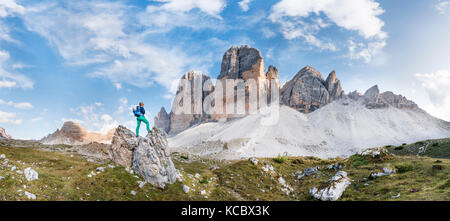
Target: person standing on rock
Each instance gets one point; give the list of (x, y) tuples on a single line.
[(139, 113)]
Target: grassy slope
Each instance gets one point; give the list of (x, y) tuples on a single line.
[(64, 176)]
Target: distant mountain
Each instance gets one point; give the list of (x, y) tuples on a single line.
[(72, 133), (3, 134), (341, 128), (316, 118), (243, 63)]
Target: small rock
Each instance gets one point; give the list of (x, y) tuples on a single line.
[(213, 168), (253, 160), (414, 190), (13, 168), (141, 183), (186, 189), (100, 169), (30, 196), (203, 192), (396, 196), (111, 166), (2, 156), (133, 192), (311, 171), (197, 175), (386, 172), (336, 166), (31, 174)]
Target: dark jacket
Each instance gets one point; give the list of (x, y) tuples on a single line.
[(140, 111)]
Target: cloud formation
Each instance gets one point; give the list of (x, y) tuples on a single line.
[(304, 19), (437, 87), (9, 118), (244, 4), (442, 6)]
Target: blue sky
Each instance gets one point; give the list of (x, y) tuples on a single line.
[(89, 61)]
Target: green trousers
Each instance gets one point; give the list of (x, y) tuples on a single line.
[(139, 120)]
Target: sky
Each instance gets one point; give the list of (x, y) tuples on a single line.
[(90, 61)]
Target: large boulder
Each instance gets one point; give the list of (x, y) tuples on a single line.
[(148, 155), (152, 160), (122, 146), (334, 188)]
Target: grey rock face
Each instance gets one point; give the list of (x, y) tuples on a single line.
[(122, 146), (373, 99), (308, 91), (152, 160), (196, 82), (162, 120), (242, 63), (334, 87), (3, 134), (146, 155), (335, 188)]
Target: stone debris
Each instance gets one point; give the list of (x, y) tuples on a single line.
[(30, 196), (186, 189), (253, 160), (336, 167), (133, 192), (100, 169), (31, 174), (386, 172), (148, 156), (336, 187)]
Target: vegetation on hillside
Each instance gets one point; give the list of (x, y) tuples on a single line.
[(66, 175)]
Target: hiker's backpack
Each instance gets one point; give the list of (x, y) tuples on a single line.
[(136, 112)]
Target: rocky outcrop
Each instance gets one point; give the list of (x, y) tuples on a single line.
[(146, 155), (152, 160), (242, 63), (334, 86), (72, 133), (373, 99), (3, 134), (162, 120), (334, 189), (308, 91)]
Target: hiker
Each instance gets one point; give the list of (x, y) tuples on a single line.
[(139, 112)]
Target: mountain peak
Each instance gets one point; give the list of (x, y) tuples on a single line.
[(3, 134), (72, 133)]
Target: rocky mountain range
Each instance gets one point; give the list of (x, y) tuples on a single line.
[(243, 63), (72, 133), (306, 92), (3, 134)]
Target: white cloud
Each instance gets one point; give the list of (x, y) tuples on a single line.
[(10, 7), (37, 119), (8, 79), (93, 119), (123, 105), (437, 87), (22, 105), (85, 32), (365, 51), (9, 118), (118, 86), (244, 4), (355, 15), (211, 7), (441, 6)]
